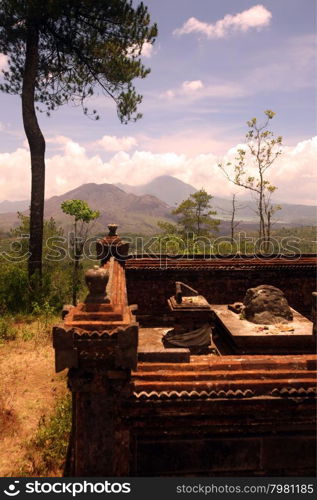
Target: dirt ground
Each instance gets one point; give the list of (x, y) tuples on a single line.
[(29, 388)]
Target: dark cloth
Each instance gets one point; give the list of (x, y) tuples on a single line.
[(196, 338)]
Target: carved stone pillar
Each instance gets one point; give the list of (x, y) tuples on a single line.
[(98, 343)]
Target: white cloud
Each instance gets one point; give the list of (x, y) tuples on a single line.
[(15, 175), (113, 143), (147, 50), (169, 94), (66, 145), (190, 141), (196, 89), (277, 74), (293, 173), (192, 85), (3, 61), (296, 175), (255, 17)]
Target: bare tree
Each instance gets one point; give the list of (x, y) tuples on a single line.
[(261, 150)]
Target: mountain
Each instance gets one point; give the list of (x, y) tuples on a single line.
[(299, 215), (165, 187), (139, 212), (132, 213), (13, 206), (173, 191)]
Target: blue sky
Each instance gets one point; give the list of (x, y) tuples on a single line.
[(215, 64)]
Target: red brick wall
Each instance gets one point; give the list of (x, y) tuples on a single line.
[(150, 288), (264, 437)]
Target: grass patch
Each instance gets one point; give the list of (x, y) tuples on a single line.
[(47, 451), (27, 327)]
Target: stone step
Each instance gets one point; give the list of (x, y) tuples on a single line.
[(170, 375)]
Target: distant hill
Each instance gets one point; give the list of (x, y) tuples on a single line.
[(173, 191), (138, 212), (13, 206), (132, 213), (165, 187), (299, 215)]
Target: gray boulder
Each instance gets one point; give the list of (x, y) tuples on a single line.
[(266, 305)]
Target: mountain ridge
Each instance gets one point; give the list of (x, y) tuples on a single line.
[(129, 211), (290, 213), (139, 213)]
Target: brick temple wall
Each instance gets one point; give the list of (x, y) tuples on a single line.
[(228, 438), (246, 415), (149, 287)]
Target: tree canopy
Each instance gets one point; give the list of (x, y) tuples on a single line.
[(80, 210), (195, 214), (63, 51), (82, 45), (250, 169), (83, 215)]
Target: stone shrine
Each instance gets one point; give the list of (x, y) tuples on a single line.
[(145, 411), (98, 343)]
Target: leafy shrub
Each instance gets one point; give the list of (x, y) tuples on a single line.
[(48, 449), (13, 288), (56, 289), (7, 331)]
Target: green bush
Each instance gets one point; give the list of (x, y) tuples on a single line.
[(47, 451), (13, 288), (7, 331), (56, 289)]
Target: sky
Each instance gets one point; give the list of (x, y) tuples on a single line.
[(215, 65)]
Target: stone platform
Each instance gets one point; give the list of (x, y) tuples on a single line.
[(247, 337), (151, 348)]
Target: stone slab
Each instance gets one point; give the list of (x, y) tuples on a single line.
[(246, 337), (151, 348), (189, 303)]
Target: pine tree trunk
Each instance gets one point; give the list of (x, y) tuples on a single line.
[(37, 151), (75, 280), (76, 265)]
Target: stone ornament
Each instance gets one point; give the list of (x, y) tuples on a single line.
[(112, 246), (96, 281)]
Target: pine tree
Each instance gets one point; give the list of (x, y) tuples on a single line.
[(62, 51)]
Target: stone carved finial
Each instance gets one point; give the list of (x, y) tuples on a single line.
[(112, 229), (96, 281), (112, 246)]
